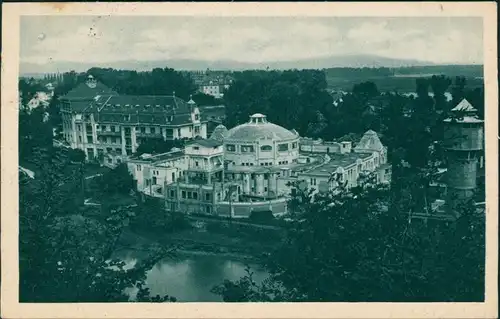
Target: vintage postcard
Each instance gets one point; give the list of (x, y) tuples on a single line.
[(249, 160)]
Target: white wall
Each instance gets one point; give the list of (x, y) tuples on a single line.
[(204, 151), (275, 157)]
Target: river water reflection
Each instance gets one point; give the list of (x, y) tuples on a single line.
[(190, 278)]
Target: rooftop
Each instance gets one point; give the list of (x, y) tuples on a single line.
[(159, 157), (83, 91), (336, 161), (206, 143), (369, 141), (464, 106), (464, 119), (142, 103), (259, 128), (464, 112), (219, 133)]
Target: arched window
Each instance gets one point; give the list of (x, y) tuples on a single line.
[(266, 148)]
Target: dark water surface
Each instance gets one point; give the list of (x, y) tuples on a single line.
[(190, 278)]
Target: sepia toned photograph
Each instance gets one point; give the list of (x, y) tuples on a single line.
[(262, 159)]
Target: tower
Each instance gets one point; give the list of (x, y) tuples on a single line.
[(191, 103), (463, 142)]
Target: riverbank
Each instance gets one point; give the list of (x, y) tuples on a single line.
[(196, 242)]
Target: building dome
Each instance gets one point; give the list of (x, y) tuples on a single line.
[(259, 128)]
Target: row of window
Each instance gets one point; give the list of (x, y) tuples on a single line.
[(109, 150), (100, 151), (190, 195), (118, 161), (109, 140), (264, 148), (142, 129), (152, 130), (247, 164)]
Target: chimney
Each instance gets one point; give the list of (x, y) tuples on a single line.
[(346, 147)]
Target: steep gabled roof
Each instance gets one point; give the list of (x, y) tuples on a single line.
[(219, 133), (464, 106), (369, 141)]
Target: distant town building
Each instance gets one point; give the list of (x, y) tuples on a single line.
[(210, 82), (213, 89), (99, 121), (41, 99)]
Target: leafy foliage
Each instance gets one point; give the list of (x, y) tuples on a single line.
[(358, 244), (352, 246), (64, 255), (151, 215), (34, 131), (288, 98), (159, 81), (202, 99), (117, 181), (157, 146)]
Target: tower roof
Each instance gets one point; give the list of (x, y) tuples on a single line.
[(464, 112), (219, 133), (191, 102), (370, 141), (464, 106)]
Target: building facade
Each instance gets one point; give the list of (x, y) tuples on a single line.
[(344, 165), (99, 121), (253, 167)]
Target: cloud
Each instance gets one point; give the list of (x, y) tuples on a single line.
[(113, 39), (244, 42)]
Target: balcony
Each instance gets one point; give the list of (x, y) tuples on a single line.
[(207, 168), (109, 133), (146, 135)]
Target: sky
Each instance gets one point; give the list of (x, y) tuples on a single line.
[(246, 39)]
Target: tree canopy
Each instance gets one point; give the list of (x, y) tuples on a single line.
[(157, 146), (359, 244), (159, 81), (353, 246), (66, 256)]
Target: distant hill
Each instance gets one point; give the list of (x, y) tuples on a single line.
[(363, 60)]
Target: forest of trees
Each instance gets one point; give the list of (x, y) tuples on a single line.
[(298, 100), (65, 256), (156, 82), (366, 72), (358, 246), (355, 245)]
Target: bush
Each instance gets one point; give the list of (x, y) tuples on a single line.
[(262, 217), (151, 215)]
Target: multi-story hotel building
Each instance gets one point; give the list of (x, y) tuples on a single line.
[(99, 121)]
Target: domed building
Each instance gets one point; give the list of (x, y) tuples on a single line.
[(261, 143), (255, 153)]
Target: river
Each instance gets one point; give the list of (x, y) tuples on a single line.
[(190, 277)]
